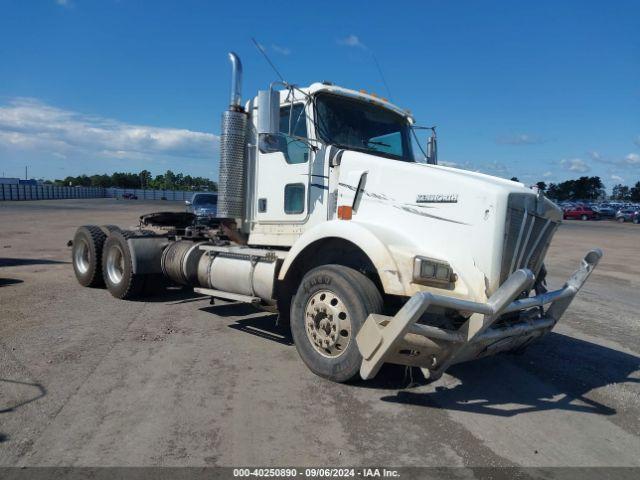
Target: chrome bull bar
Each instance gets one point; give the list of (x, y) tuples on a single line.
[(399, 339)]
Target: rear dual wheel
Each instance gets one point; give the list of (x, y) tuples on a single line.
[(117, 267), (86, 253)]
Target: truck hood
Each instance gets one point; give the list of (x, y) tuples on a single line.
[(440, 212)]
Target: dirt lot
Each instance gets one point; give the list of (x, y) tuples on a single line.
[(89, 380)]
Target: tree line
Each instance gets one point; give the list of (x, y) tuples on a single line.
[(167, 181), (588, 188)]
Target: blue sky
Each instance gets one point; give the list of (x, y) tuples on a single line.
[(538, 90)]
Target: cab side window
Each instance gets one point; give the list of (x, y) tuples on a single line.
[(294, 120)]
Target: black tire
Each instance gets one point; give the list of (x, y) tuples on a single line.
[(86, 255), (357, 297), (107, 229), (584, 217), (636, 220), (117, 267), (620, 219)]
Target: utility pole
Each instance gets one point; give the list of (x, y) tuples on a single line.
[(26, 172)]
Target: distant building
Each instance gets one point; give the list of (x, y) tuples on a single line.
[(18, 181), (31, 181), (9, 181)]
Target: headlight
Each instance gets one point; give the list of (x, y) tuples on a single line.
[(428, 271)]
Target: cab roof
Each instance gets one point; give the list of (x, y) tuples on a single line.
[(319, 87)]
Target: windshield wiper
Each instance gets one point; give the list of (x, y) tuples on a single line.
[(369, 142)]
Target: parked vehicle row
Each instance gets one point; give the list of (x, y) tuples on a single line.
[(585, 211), (628, 215)]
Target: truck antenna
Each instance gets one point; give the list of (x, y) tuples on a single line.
[(261, 49), (384, 81)]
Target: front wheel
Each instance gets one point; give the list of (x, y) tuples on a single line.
[(584, 217), (636, 220), (328, 310), (620, 219)]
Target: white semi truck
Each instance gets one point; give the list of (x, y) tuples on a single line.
[(368, 254)]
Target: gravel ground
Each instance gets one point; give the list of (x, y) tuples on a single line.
[(88, 380)]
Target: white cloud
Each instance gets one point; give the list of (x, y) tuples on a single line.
[(617, 178), (63, 3), (494, 168), (575, 165), (547, 174), (444, 163), (595, 156), (519, 139), (281, 50), (632, 159), (352, 41), (29, 124)]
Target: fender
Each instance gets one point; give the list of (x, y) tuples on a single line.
[(366, 236), (392, 256)]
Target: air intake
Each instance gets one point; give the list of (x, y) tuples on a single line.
[(233, 150)]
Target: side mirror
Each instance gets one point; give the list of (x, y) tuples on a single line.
[(268, 111), (187, 202), (432, 149), (272, 142)]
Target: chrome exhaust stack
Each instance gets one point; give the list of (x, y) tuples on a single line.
[(235, 101), (233, 150)]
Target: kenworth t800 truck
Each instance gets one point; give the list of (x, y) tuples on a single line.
[(369, 255)]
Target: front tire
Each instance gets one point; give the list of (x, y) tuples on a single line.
[(328, 310), (117, 267), (620, 219), (584, 218)]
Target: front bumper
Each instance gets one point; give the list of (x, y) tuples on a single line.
[(399, 339)]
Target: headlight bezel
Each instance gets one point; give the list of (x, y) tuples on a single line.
[(434, 273)]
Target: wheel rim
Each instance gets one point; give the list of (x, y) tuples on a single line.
[(328, 324), (115, 264), (81, 256)]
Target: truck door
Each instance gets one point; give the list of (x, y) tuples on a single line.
[(283, 176)]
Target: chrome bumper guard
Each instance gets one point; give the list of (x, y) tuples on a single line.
[(399, 339)]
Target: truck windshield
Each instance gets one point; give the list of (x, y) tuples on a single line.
[(362, 126), (207, 199)]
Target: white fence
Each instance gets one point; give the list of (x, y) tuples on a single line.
[(47, 192), (50, 192), (143, 194)]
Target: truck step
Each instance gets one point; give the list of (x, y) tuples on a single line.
[(227, 295)]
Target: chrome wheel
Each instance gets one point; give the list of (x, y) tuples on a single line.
[(81, 256), (327, 324), (115, 264)]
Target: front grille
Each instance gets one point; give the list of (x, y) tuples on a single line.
[(527, 238)]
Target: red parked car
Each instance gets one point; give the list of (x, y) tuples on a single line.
[(580, 213)]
